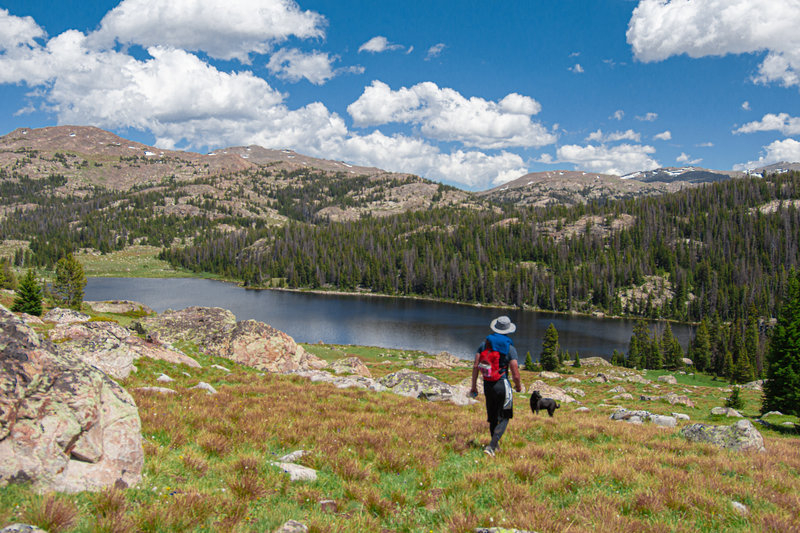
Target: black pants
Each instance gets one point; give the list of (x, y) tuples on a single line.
[(499, 408)]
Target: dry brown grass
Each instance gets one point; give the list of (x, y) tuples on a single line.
[(51, 512)]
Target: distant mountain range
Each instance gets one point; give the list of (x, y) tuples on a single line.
[(89, 156)]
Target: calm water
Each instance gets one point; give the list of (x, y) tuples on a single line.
[(373, 321)]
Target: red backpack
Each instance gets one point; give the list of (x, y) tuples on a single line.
[(492, 364)]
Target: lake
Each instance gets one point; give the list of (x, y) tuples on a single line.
[(376, 321)]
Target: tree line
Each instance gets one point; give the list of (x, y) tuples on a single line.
[(721, 252)]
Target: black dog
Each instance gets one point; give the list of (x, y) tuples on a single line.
[(537, 402)]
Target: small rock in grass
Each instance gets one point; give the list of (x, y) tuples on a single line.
[(159, 390), (206, 387), (668, 379), (328, 506), (681, 416), (220, 367), (740, 508), (582, 410), (726, 411), (292, 526), (188, 375), (21, 528), (298, 472), (293, 457), (773, 413), (164, 378), (665, 421)]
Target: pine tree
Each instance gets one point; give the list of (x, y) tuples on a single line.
[(617, 358), (69, 283), (29, 295), (7, 278), (577, 361), (550, 350), (673, 353), (528, 361), (701, 347), (782, 386)]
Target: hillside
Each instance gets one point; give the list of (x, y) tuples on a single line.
[(251, 182), (569, 188)]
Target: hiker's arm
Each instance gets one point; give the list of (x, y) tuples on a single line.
[(474, 387), (513, 366)]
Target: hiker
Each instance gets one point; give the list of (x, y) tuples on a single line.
[(495, 357)]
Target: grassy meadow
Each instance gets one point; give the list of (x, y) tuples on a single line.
[(394, 464)]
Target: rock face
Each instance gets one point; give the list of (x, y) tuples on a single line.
[(216, 332), (64, 424), (549, 391), (726, 411), (416, 385), (679, 398), (110, 347), (351, 365), (119, 307), (741, 436), (65, 316), (441, 360)]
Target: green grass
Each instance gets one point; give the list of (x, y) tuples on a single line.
[(690, 378), (132, 262), (398, 464)]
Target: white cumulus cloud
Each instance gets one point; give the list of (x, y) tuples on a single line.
[(746, 105), (659, 29), (775, 152), (663, 136), (445, 115), (317, 67), (781, 122), (628, 135), (620, 159), (576, 68), (619, 114), (18, 31), (225, 29), (379, 44)]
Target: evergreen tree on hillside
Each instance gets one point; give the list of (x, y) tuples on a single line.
[(638, 347), (782, 385), (550, 349), (577, 361), (69, 283), (673, 353), (701, 347), (7, 278), (29, 295)]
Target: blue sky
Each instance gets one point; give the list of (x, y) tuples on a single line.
[(471, 93)]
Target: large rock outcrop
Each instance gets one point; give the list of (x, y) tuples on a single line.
[(550, 391), (414, 384), (741, 436), (119, 307), (111, 348), (216, 332), (64, 424)]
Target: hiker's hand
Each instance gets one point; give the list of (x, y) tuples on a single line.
[(518, 388), (473, 392)]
